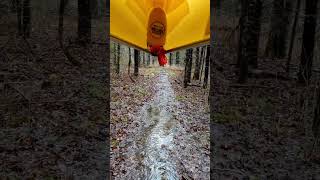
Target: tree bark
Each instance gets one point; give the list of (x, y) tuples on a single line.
[(276, 46), (217, 6), (66, 52), (136, 62), (206, 71), (129, 64), (148, 61), (197, 65), (61, 15), (143, 59), (177, 58), (94, 8), (316, 118), (84, 22), (249, 37), (293, 35), (19, 21), (310, 23), (26, 18), (188, 67), (202, 64)]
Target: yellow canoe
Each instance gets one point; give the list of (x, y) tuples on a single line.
[(188, 22)]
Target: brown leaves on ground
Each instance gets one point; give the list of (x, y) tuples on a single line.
[(53, 114)]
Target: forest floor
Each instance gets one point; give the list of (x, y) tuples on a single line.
[(262, 130), (159, 130), (52, 113)]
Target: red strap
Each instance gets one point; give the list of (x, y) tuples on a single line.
[(161, 53)]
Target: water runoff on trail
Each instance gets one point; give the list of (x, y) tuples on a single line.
[(157, 162)]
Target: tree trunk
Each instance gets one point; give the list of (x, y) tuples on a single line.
[(217, 6), (249, 37), (188, 67), (316, 118), (293, 35), (206, 71), (170, 59), (136, 62), (177, 58), (26, 18), (202, 62), (153, 59), (143, 59), (197, 65), (129, 64), (118, 59), (60, 29), (310, 23), (276, 46), (84, 22), (94, 8), (148, 61), (19, 21), (63, 4)]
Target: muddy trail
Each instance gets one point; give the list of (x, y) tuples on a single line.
[(158, 162), (156, 141)]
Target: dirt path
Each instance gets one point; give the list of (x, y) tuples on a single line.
[(158, 162), (157, 137)]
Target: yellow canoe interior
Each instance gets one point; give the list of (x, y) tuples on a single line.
[(188, 22)]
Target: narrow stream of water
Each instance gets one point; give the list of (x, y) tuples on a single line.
[(158, 162)]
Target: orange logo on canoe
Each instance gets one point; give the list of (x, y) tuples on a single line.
[(157, 29)]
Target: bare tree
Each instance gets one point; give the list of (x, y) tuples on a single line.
[(276, 46), (65, 50), (84, 21), (26, 18), (177, 58), (143, 58), (149, 58), (249, 36), (202, 62), (19, 16), (136, 62), (188, 67), (196, 74), (206, 71), (293, 35), (129, 64), (310, 23), (316, 118)]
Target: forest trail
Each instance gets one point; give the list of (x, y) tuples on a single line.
[(158, 162), (163, 138)]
